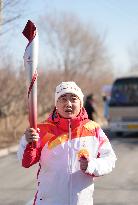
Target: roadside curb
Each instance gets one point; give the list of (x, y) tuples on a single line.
[(6, 151)]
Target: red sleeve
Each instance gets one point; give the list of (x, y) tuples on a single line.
[(31, 156)]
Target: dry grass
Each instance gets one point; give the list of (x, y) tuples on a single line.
[(10, 132)]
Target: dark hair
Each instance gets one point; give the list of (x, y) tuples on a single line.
[(89, 97)]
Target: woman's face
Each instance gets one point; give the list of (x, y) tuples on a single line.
[(68, 105)]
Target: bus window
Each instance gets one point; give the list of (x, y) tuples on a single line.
[(124, 92)]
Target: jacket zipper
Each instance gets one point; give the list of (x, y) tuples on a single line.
[(70, 164)]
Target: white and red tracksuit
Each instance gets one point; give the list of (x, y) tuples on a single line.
[(60, 180)]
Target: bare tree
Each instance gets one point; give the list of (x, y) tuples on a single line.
[(12, 91), (133, 53), (73, 51), (74, 47), (10, 12)]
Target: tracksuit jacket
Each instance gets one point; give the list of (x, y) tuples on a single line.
[(60, 180)]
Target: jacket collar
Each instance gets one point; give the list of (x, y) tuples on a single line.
[(63, 123)]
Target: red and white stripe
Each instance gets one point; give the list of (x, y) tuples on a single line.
[(31, 63)]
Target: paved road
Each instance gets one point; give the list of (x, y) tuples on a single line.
[(121, 186), (17, 185)]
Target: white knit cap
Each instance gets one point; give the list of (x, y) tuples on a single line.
[(68, 87)]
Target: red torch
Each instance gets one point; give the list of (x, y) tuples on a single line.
[(30, 63)]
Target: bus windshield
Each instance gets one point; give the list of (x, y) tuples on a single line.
[(125, 92)]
